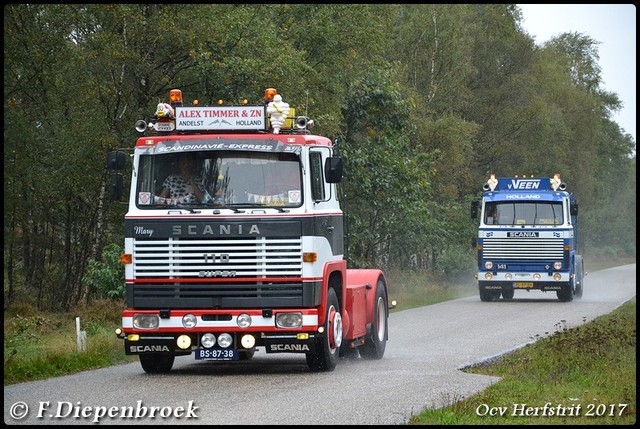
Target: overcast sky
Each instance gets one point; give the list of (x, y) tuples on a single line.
[(614, 26)]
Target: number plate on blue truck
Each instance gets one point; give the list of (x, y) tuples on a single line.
[(524, 284)]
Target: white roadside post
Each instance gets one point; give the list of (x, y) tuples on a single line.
[(81, 337)]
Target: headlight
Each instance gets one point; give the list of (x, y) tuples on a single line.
[(557, 265), (146, 321), (243, 320), (289, 320), (508, 276), (488, 276), (224, 340), (536, 276), (189, 321), (208, 340), (557, 276), (488, 265)]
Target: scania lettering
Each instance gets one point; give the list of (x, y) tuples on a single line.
[(258, 262), (527, 238)]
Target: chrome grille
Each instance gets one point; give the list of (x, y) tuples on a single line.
[(523, 248), (245, 257)]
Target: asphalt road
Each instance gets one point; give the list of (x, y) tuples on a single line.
[(421, 369)]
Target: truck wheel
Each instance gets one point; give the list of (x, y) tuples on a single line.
[(508, 294), (579, 278), (155, 363), (328, 343), (376, 342), (246, 354), (566, 293)]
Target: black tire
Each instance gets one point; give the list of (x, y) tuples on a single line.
[(508, 294), (328, 343), (566, 293), (376, 341), (579, 278), (246, 354), (157, 363)]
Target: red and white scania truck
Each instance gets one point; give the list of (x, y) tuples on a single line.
[(258, 262)]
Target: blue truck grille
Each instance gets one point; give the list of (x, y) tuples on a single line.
[(530, 249)]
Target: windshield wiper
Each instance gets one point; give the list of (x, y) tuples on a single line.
[(257, 206)]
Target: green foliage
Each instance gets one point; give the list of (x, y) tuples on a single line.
[(457, 263), (107, 276), (422, 113)]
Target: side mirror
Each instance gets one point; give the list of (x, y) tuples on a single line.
[(474, 208), (116, 186), (116, 160), (333, 169)]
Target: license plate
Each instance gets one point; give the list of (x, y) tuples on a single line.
[(216, 354), (524, 284)]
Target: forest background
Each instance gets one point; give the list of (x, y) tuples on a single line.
[(424, 100)]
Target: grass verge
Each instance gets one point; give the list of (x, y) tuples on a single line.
[(585, 375), (41, 345)]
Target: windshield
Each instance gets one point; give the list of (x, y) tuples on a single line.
[(523, 213), (219, 179)]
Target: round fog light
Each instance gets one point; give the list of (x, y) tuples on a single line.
[(248, 341), (224, 340), (184, 342), (208, 340), (557, 265)]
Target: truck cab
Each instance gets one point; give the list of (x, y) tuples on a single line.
[(234, 242), (527, 238)]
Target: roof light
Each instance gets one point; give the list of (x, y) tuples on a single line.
[(555, 182), (175, 97), (269, 93)]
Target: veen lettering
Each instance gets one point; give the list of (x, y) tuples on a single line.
[(524, 184)]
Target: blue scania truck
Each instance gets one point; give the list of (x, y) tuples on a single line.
[(527, 238)]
